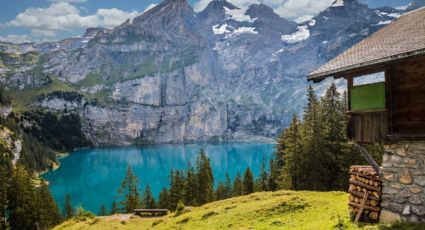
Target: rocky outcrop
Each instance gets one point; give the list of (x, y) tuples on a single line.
[(10, 143), (403, 191)]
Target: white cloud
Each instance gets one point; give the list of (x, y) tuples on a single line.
[(290, 9), (15, 38), (63, 16), (300, 8)]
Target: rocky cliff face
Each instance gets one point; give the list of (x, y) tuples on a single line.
[(173, 75)]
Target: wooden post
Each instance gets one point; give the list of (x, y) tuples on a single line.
[(356, 221), (350, 129), (389, 100), (349, 86)]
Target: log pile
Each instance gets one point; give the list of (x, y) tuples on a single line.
[(365, 193)]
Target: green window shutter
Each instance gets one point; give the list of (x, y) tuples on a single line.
[(368, 97)]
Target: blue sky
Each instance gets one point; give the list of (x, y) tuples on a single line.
[(50, 20)]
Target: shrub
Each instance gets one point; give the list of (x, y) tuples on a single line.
[(83, 215), (180, 208)]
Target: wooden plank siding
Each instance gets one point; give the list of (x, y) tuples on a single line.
[(404, 116), (408, 91), (368, 127)]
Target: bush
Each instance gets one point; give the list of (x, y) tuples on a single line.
[(83, 215), (180, 208)]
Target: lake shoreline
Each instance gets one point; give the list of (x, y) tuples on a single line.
[(86, 171)]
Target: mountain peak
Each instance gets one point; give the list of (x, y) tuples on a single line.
[(216, 9), (222, 3)]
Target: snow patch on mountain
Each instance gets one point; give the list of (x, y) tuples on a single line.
[(394, 15), (302, 34), (338, 3), (384, 22), (217, 29), (241, 30)]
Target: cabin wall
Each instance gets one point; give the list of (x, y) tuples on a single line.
[(403, 193), (408, 92)]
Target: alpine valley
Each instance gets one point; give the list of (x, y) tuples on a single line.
[(176, 75)]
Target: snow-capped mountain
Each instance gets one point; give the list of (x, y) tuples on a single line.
[(172, 74)]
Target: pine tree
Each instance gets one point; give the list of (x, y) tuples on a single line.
[(220, 192), (47, 210), (248, 182), (263, 178), (237, 185), (227, 187), (176, 189), (102, 211), (290, 148), (5, 176), (191, 186), (163, 201), (205, 179), (22, 208), (148, 201), (129, 192), (275, 171), (114, 208), (336, 150), (68, 210), (315, 172)]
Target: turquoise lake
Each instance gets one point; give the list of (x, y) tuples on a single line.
[(93, 176)]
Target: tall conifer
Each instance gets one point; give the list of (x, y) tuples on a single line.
[(237, 185), (68, 210), (205, 178), (148, 201), (128, 193), (248, 182)]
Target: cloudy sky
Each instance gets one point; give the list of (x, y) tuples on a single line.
[(50, 20)]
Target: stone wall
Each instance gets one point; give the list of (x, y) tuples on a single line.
[(403, 193)]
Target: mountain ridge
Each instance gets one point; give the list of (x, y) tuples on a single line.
[(173, 75)]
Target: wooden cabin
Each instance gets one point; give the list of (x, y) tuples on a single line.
[(385, 76), (390, 105)]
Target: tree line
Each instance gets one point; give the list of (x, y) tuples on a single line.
[(24, 203), (313, 153), (192, 187)]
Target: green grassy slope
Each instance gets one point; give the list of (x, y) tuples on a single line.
[(265, 210)]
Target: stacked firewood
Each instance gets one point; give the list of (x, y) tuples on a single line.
[(365, 193)]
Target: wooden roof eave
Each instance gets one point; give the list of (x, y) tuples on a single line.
[(363, 67)]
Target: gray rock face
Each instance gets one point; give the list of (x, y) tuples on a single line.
[(174, 75)]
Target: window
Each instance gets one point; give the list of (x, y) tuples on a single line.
[(368, 92)]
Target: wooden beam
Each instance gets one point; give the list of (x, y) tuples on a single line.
[(389, 96), (356, 221), (349, 86), (368, 158)]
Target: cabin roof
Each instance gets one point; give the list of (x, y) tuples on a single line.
[(402, 38)]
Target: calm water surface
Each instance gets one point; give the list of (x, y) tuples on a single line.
[(92, 176)]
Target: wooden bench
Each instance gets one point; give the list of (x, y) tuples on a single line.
[(151, 212)]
